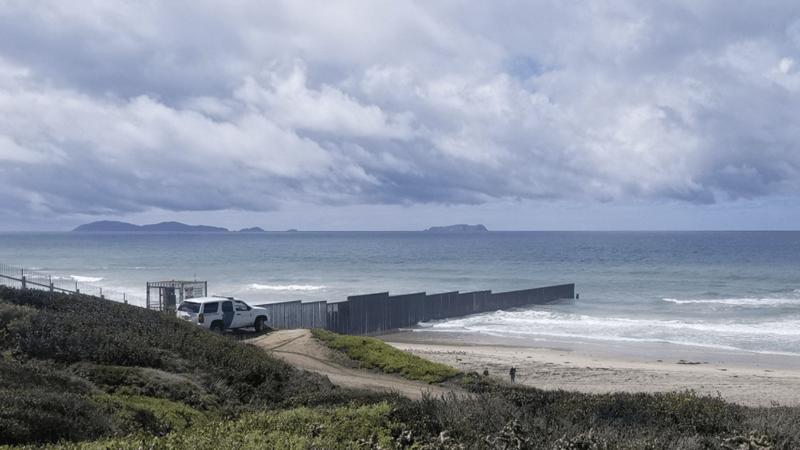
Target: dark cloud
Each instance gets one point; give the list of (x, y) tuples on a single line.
[(249, 107)]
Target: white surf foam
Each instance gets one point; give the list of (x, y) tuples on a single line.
[(740, 301), (291, 287), (778, 336), (83, 279)]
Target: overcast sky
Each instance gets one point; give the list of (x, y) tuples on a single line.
[(400, 115)]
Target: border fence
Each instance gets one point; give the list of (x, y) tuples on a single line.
[(30, 279), (359, 314), (376, 313)]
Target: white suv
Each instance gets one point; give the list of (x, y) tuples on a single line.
[(219, 313)]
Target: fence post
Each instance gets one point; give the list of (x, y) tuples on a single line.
[(51, 283), (24, 285), (77, 291), (101, 294), (124, 300)]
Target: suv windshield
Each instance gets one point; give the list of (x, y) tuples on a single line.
[(191, 307), (242, 306)]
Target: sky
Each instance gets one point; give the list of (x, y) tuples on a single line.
[(401, 115)]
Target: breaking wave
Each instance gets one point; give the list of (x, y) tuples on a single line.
[(291, 287), (741, 301), (82, 279)]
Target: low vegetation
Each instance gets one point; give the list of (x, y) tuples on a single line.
[(78, 372), (371, 352)]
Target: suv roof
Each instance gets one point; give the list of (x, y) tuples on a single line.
[(210, 299)]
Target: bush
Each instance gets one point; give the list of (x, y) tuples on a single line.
[(371, 352), (35, 415), (76, 328), (145, 382), (319, 428), (133, 414), (42, 375), (105, 375)]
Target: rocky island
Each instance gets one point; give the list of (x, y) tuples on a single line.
[(458, 229), (163, 227)]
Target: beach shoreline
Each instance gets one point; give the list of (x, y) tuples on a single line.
[(561, 367)]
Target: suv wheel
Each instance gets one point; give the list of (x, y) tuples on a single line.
[(259, 325), (217, 326)]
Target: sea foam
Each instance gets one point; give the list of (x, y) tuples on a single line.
[(757, 302), (82, 279), (291, 287)]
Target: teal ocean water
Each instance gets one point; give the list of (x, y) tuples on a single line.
[(689, 293)]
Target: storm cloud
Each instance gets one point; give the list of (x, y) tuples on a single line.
[(122, 107)]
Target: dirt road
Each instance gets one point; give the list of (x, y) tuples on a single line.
[(300, 349)]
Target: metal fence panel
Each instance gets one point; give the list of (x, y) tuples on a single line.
[(473, 302), (293, 312), (369, 313), (377, 312), (339, 317), (404, 309), (356, 322), (281, 319), (314, 314), (438, 306), (415, 304), (536, 296), (432, 307), (449, 304)]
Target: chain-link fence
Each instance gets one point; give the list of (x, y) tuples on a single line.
[(30, 279)]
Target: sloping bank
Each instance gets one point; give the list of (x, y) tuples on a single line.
[(373, 365), (79, 372)]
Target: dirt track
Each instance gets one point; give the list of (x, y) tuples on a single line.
[(300, 349)]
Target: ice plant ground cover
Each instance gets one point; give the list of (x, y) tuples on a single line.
[(371, 352)]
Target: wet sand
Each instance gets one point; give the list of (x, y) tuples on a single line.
[(568, 369)]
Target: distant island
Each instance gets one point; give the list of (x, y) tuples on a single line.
[(252, 230), (458, 229), (170, 227), (177, 227)]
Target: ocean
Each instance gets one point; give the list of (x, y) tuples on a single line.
[(697, 296)]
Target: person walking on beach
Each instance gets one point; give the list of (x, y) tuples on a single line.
[(512, 372)]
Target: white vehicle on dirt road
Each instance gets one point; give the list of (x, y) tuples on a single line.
[(222, 313)]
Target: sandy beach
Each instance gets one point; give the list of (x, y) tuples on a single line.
[(554, 368)]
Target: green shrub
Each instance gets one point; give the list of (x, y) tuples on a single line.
[(170, 384), (584, 441), (11, 317), (297, 428), (41, 375), (10, 313), (76, 328), (134, 413), (36, 415), (341, 396), (371, 352), (324, 335), (145, 382)]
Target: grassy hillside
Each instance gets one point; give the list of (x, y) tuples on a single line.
[(77, 372), (79, 367)]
